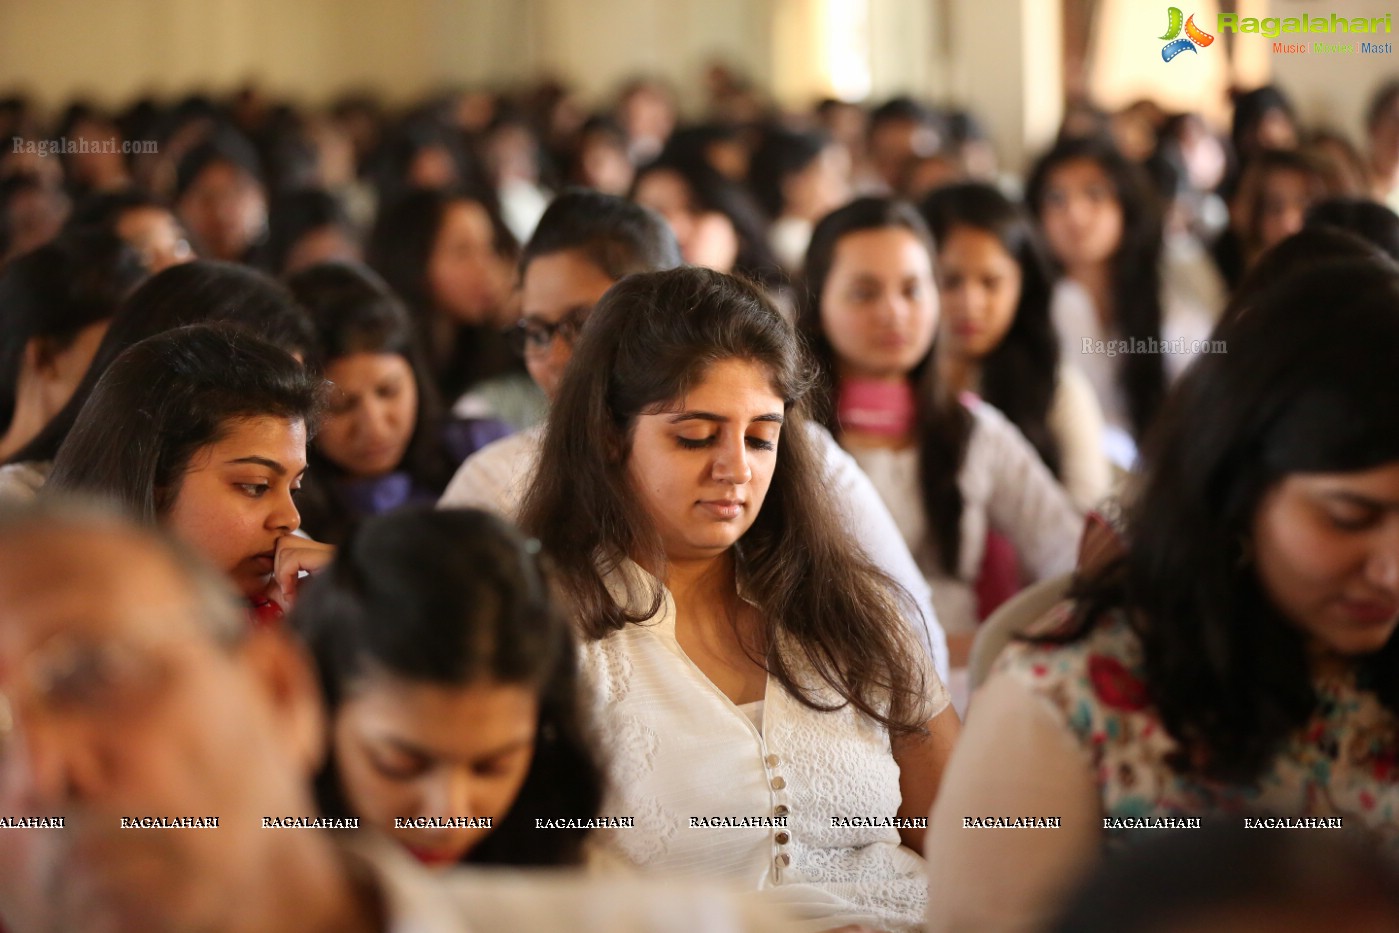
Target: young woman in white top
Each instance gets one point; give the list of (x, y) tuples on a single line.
[(949, 468), (996, 338), (1104, 227), (767, 712)]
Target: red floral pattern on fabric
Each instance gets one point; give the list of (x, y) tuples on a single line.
[(1116, 686)]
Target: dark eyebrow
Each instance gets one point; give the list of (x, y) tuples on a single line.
[(272, 465), (774, 417)]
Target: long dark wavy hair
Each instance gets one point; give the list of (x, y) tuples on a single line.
[(353, 311), (943, 425), (452, 598), (1298, 392), (400, 249), (827, 610), (1020, 374), (711, 191), (1135, 266)]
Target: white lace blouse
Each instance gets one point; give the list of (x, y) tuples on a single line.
[(684, 761)]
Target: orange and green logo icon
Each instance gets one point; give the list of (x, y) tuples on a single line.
[(1175, 43)]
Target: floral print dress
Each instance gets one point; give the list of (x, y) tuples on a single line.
[(1341, 763)]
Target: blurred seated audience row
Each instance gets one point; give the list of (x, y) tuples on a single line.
[(779, 426)]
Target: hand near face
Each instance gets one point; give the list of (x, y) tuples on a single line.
[(294, 555)]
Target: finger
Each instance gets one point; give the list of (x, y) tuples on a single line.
[(286, 572)]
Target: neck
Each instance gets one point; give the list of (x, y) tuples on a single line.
[(1097, 281), (30, 417), (875, 410), (1324, 663), (702, 578), (959, 372), (309, 887), (844, 373)]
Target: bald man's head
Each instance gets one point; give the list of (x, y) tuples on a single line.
[(129, 689), (67, 527)]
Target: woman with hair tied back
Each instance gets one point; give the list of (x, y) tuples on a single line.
[(749, 663), (451, 682), (1239, 659)]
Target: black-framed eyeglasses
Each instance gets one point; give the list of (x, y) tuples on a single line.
[(532, 337)]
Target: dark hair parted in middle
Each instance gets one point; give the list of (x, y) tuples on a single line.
[(452, 598), (1020, 375), (165, 398), (1135, 266), (1307, 386), (944, 424), (828, 610), (353, 311)]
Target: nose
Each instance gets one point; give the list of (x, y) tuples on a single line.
[(1077, 210), (731, 464), (284, 516), (1382, 569), (375, 417), (449, 794), (966, 300)]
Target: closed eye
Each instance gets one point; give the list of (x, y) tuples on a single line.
[(495, 767), (1353, 522), (697, 443), (399, 770)]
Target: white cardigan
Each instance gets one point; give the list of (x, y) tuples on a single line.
[(678, 748), (1006, 486)]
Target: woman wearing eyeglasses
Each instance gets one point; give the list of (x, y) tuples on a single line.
[(584, 243), (384, 441)]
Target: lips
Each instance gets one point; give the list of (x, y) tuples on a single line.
[(377, 453), (723, 509), (1370, 612), (433, 857)]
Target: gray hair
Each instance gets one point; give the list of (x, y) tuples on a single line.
[(218, 609)]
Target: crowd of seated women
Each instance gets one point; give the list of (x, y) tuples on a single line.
[(631, 499)]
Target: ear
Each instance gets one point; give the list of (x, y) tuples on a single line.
[(287, 680)]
